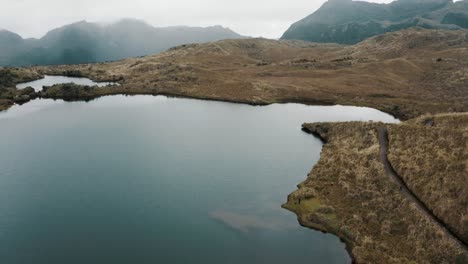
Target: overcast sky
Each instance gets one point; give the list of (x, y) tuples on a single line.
[(267, 18)]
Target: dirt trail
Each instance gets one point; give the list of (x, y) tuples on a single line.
[(383, 139)]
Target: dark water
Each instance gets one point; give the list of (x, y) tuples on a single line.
[(155, 180), (51, 80)]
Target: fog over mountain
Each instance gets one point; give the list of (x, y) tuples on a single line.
[(85, 42), (258, 18), (349, 22), (339, 21)]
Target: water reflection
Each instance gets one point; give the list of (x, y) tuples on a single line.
[(146, 179), (52, 80)]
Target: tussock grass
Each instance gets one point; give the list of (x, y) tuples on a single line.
[(397, 72), (9, 77), (431, 154), (369, 212)]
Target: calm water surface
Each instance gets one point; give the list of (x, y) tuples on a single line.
[(156, 180), (51, 80)]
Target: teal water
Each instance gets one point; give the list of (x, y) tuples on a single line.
[(148, 179)]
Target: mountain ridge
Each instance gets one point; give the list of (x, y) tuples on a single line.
[(350, 22), (87, 42)]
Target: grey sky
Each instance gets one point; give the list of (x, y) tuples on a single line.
[(267, 18)]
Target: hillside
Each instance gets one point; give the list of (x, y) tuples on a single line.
[(406, 73), (85, 42), (349, 22)]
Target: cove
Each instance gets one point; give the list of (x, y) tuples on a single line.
[(151, 179), (50, 80)]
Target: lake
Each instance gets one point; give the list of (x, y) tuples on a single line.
[(151, 179), (49, 80)]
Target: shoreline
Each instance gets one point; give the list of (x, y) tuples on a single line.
[(322, 135), (324, 230), (347, 193), (331, 200), (316, 226), (303, 101)]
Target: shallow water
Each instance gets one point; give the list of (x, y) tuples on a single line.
[(148, 179), (52, 80)]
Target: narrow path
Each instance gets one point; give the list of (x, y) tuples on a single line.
[(383, 139)]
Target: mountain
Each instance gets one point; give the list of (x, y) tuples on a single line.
[(9, 44), (349, 22), (85, 42)]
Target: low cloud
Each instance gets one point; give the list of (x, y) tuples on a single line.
[(267, 18)]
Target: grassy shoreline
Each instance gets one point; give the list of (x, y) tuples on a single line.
[(362, 205), (406, 74), (412, 75)]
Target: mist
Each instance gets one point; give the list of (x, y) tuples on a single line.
[(260, 18)]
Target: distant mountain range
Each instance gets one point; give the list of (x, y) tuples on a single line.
[(349, 22), (85, 42)]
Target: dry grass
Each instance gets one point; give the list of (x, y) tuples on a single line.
[(370, 214), (5, 104), (431, 154), (406, 73), (9, 77)]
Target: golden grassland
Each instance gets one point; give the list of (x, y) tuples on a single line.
[(349, 194), (407, 73)]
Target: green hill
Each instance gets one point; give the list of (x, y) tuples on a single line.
[(349, 22)]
